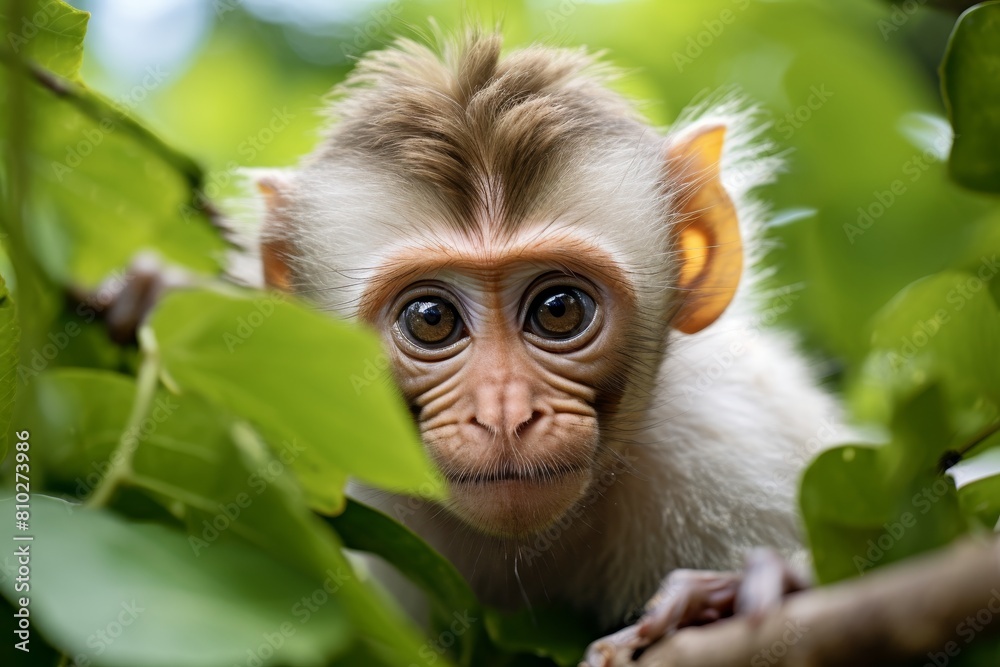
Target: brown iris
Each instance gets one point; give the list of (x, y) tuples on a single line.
[(430, 322), (560, 312)]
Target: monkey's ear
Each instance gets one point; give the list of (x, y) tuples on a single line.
[(708, 237), (275, 248)]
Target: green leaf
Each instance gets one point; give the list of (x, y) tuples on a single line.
[(943, 328), (77, 143), (50, 33), (555, 633), (970, 83), (74, 432), (300, 376), (137, 595), (853, 475), (865, 507), (844, 505), (924, 515), (213, 475), (365, 529), (921, 434), (9, 342)]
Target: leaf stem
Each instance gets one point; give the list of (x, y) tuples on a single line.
[(981, 437), (100, 109), (953, 456), (121, 459)]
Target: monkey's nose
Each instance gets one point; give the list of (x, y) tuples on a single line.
[(532, 419), (502, 426)]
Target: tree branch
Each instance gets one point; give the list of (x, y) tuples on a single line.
[(931, 604)]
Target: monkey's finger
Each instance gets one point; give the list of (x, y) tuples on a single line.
[(613, 650), (766, 580), (125, 303), (689, 597), (129, 307)]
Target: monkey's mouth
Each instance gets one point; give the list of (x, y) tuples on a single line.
[(536, 474), (516, 500)]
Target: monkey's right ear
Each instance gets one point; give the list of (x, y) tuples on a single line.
[(708, 233), (275, 247)]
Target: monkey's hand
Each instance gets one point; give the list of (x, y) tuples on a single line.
[(124, 300), (696, 597)]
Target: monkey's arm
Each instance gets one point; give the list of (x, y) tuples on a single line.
[(124, 300), (695, 597), (935, 592)]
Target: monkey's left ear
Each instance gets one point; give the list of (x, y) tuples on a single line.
[(708, 235), (275, 247)]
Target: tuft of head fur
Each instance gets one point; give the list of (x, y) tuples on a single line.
[(485, 133), (459, 136)]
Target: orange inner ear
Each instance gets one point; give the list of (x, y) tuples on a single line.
[(276, 271), (709, 242), (274, 252)]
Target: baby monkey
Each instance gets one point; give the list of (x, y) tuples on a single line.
[(563, 294)]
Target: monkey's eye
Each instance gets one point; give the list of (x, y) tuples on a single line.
[(430, 322), (559, 313)]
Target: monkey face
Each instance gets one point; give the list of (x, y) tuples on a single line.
[(524, 244), (507, 357)]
